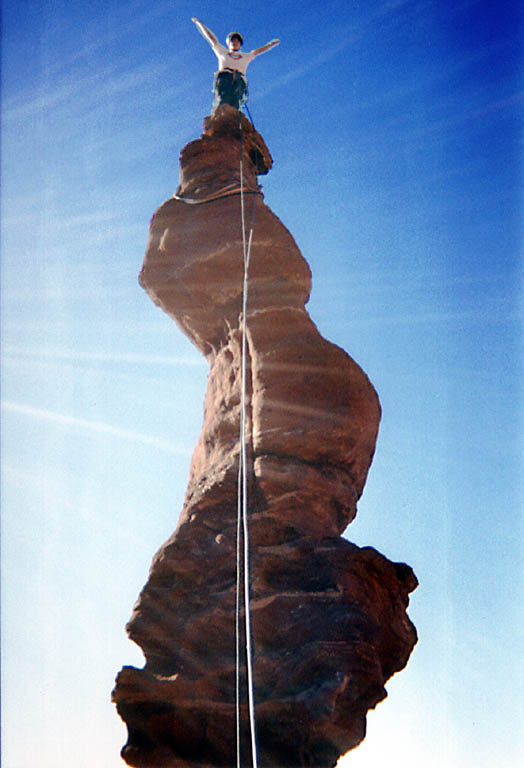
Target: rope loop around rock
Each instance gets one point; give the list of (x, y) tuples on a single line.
[(225, 192)]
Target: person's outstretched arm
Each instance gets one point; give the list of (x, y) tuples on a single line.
[(205, 32), (266, 47)]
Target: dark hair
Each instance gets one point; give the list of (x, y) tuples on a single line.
[(233, 35)]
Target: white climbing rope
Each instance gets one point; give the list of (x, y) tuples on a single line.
[(237, 614), (242, 512), (242, 562), (227, 191)]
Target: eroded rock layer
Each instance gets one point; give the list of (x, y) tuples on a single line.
[(329, 619)]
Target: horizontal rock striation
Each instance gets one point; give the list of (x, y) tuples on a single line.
[(329, 619)]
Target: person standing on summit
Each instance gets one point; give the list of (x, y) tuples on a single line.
[(230, 84)]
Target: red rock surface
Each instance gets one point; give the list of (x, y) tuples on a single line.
[(329, 619)]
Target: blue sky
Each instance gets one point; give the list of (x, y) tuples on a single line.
[(395, 130)]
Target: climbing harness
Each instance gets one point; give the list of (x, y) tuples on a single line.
[(242, 563)]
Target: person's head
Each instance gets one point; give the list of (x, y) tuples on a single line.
[(234, 41)]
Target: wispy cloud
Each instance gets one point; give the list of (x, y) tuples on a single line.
[(70, 355), (475, 113), (85, 90), (311, 64), (140, 16), (349, 35), (94, 427)]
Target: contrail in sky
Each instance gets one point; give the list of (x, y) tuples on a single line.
[(49, 354), (94, 427)]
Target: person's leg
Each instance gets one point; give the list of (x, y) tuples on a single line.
[(224, 89), (240, 91)]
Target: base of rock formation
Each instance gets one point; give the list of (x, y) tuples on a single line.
[(329, 628), (329, 621)]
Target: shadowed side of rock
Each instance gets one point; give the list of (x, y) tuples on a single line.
[(329, 619), (329, 627)]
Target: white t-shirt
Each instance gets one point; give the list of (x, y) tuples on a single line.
[(232, 59)]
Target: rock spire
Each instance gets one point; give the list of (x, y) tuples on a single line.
[(329, 618)]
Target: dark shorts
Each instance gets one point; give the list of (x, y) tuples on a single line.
[(230, 87)]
